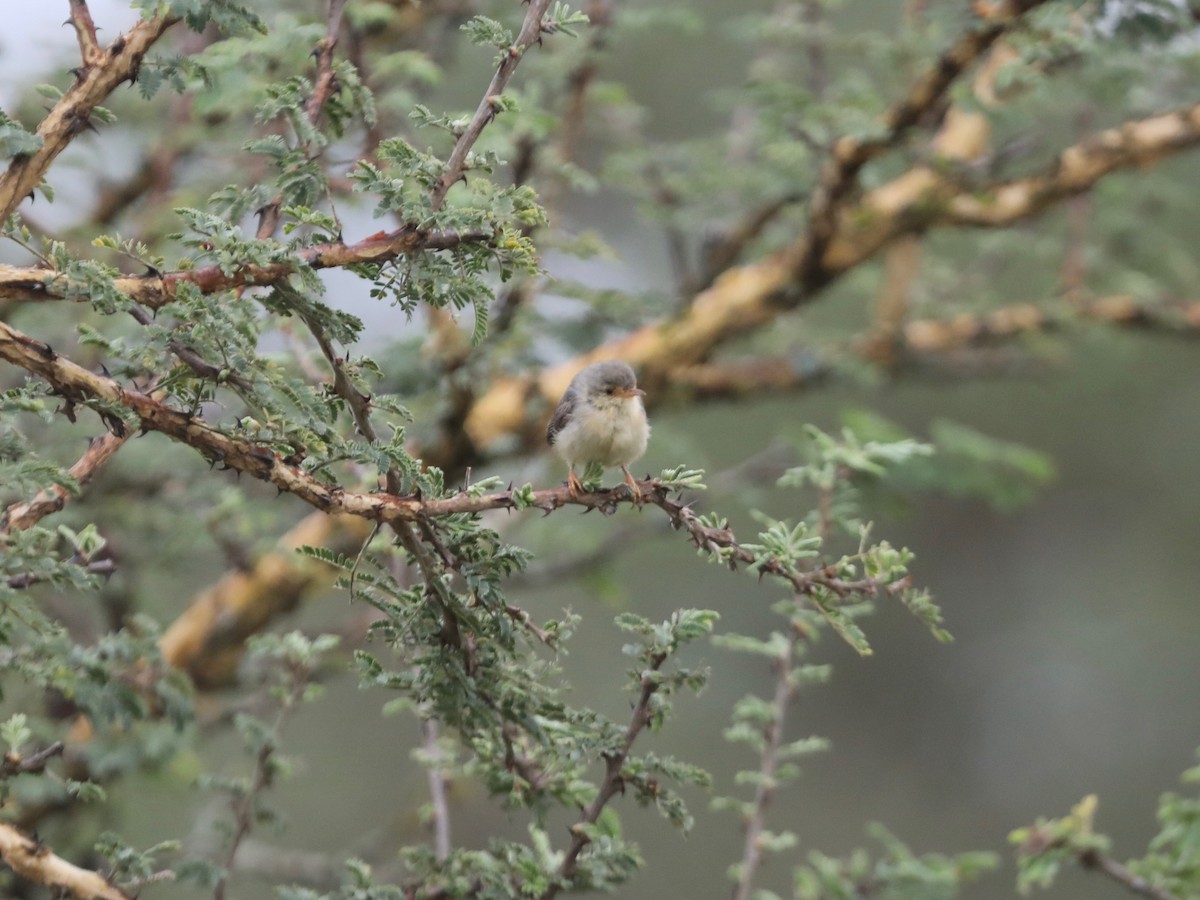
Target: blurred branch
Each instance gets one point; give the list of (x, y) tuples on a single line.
[(1099, 862), (69, 117), (600, 15), (15, 764), (92, 567), (34, 861), (728, 248), (245, 803), (816, 75), (849, 155), (750, 297), (26, 513), (435, 776), (931, 336), (206, 638)]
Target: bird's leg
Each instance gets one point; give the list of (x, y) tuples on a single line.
[(574, 487), (633, 488)]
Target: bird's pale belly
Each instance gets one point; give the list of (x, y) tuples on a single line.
[(611, 437)]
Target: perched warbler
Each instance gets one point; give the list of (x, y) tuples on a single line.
[(600, 419)]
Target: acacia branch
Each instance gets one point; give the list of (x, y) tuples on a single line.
[(70, 114), (34, 861), (206, 638), (722, 544), (78, 385)]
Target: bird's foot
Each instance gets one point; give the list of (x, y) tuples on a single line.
[(632, 484), (574, 485)]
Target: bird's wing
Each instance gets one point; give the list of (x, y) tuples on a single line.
[(562, 415)]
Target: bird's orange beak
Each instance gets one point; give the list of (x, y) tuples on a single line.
[(631, 392)]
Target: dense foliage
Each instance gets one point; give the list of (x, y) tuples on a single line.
[(299, 264)]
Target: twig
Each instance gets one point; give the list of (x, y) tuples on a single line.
[(817, 74), (244, 811), (785, 693), (98, 567), (324, 86), (1120, 873), (14, 764), (326, 81), (677, 248), (725, 251), (438, 802), (723, 544), (209, 371), (530, 33), (612, 782)]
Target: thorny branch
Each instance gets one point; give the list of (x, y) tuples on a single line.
[(70, 114), (85, 31), (722, 544), (155, 290)]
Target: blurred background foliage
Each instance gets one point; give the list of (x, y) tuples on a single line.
[(1054, 522)]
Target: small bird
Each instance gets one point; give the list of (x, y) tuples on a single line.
[(600, 419)]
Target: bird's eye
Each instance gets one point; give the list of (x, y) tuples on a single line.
[(610, 391)]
